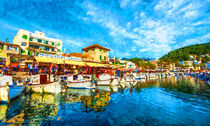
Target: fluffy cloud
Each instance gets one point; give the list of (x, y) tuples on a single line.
[(131, 28)]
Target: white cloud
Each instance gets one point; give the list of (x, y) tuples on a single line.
[(75, 42), (190, 14), (133, 48), (143, 50)]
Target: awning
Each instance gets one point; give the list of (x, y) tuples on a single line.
[(49, 60), (73, 62), (97, 64), (20, 56), (3, 55)]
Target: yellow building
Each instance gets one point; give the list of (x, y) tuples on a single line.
[(98, 52), (6, 49), (38, 42)]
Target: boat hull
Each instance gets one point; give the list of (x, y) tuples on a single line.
[(53, 88), (104, 82), (81, 85)]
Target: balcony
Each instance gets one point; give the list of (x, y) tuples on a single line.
[(41, 50), (41, 44)]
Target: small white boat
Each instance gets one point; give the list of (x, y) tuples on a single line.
[(114, 81), (104, 80), (77, 81), (43, 83)]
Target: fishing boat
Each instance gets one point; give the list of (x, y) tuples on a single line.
[(104, 80), (77, 81), (44, 83)]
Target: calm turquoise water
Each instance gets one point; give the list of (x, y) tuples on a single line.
[(172, 101)]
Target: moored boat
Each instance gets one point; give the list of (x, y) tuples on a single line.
[(44, 83), (77, 81)]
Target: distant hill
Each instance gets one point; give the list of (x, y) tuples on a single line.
[(184, 53)]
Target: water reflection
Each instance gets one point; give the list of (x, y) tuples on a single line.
[(180, 100), (97, 101), (186, 84)]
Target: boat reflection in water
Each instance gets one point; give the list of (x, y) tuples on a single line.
[(185, 84), (179, 100), (97, 101)]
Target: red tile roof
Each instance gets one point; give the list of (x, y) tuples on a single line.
[(94, 46)]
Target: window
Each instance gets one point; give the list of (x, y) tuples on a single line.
[(58, 44), (100, 50), (100, 57), (9, 48), (47, 49), (104, 58), (53, 43), (15, 48), (30, 39), (45, 42), (23, 44), (39, 40), (93, 49), (24, 36)]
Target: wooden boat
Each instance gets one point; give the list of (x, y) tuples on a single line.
[(104, 80), (77, 81), (44, 83)]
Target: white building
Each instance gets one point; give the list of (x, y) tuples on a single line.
[(38, 42), (130, 65)]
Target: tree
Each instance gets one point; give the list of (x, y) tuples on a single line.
[(205, 59)]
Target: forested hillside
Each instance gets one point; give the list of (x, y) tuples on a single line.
[(183, 54)]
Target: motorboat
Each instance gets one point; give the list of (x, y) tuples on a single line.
[(44, 83), (77, 81)]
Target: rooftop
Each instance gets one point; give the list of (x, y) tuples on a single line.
[(94, 46)]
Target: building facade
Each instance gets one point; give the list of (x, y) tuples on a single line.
[(5, 50), (37, 42), (130, 65), (97, 52)]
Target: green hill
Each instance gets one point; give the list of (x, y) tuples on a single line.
[(182, 54)]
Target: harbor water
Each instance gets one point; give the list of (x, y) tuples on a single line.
[(181, 100)]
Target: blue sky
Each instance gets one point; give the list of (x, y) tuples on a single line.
[(130, 28)]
